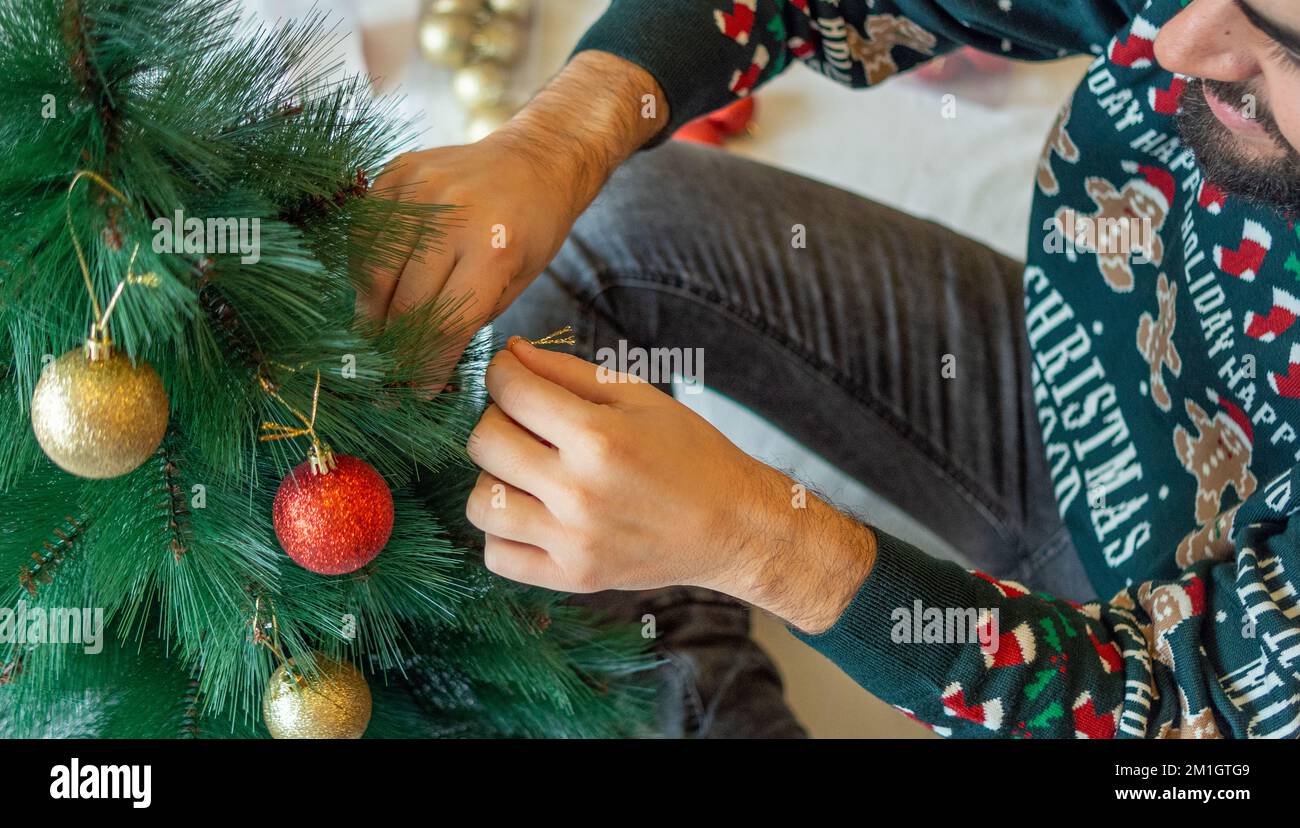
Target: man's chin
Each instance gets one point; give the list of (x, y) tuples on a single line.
[(1263, 172)]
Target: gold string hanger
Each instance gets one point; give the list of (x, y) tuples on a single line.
[(320, 456), (99, 344), (271, 642), (564, 336)]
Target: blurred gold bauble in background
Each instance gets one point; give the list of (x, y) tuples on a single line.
[(481, 40), (515, 8), (484, 121), (99, 418), (481, 85), (455, 6), (335, 704), (445, 39), (500, 39)]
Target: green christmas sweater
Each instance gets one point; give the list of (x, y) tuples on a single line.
[(1166, 373)]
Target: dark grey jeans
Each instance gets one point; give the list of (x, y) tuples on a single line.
[(842, 342)]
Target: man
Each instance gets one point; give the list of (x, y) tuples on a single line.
[(1123, 405)]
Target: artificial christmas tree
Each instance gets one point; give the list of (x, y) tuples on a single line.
[(189, 215)]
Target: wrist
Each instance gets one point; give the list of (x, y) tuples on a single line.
[(843, 552), (804, 559), (586, 122)]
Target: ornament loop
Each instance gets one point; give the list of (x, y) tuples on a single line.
[(322, 459), (272, 641), (564, 336), (99, 347), (99, 339), (320, 454)]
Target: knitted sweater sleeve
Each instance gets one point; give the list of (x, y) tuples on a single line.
[(1208, 647), (706, 53)]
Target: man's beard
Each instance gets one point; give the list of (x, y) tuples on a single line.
[(1271, 183)]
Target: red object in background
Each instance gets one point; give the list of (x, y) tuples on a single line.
[(964, 61), (700, 131), (714, 129)]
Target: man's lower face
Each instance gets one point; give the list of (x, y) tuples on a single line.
[(1237, 165)]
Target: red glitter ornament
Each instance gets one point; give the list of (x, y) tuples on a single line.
[(334, 522)]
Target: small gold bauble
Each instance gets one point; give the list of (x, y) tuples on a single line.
[(483, 122), (456, 6), (481, 85), (335, 704), (500, 39), (100, 417), (515, 8), (445, 38)]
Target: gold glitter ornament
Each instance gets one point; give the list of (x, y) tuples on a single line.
[(96, 415), (334, 704)]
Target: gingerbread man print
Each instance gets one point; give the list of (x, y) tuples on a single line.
[(884, 32), (1218, 456), (1200, 724), (1168, 606), (1211, 542), (1060, 145), (1126, 224), (1155, 341)]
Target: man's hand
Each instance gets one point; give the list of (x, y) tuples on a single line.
[(511, 217), (518, 191), (593, 480)]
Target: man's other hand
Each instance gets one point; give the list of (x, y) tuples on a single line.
[(517, 192)]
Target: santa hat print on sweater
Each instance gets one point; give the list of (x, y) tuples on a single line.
[(1156, 183), (802, 49), (737, 24), (742, 83), (1237, 419), (1009, 649), (1211, 198), (987, 714)]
